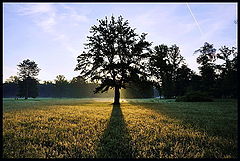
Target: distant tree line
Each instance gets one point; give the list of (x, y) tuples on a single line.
[(172, 78), (176, 79), (75, 88)]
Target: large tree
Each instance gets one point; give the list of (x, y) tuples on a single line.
[(28, 70), (113, 53), (164, 64), (227, 80), (159, 67), (206, 59), (175, 59), (183, 79)]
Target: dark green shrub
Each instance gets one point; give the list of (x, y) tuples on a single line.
[(195, 96)]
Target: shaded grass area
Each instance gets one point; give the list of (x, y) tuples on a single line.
[(218, 118), (116, 141), (162, 135), (87, 128)]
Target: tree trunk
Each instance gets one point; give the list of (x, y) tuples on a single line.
[(116, 96), (26, 96)]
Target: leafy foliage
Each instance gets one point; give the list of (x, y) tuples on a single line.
[(164, 64), (28, 69), (28, 88), (207, 70), (138, 89), (184, 75), (114, 53), (228, 72), (27, 85), (10, 86), (195, 96), (60, 85)]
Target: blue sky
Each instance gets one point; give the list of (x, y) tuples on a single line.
[(53, 34)]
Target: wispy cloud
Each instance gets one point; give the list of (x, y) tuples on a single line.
[(32, 9), (47, 17), (43, 15), (73, 14)]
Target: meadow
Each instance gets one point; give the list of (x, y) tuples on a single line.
[(138, 128)]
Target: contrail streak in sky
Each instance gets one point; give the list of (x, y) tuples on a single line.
[(195, 19)]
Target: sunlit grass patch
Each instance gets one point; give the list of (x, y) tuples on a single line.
[(55, 132), (85, 128)]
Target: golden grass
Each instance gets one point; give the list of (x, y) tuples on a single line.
[(54, 131), (83, 129), (155, 135)]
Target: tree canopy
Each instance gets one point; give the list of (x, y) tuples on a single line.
[(206, 59), (27, 84), (164, 65), (113, 53), (28, 69)]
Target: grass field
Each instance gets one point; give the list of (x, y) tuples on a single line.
[(139, 128)]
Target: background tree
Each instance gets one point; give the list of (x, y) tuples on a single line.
[(175, 59), (228, 71), (114, 52), (195, 82), (28, 88), (164, 64), (206, 59), (28, 70), (138, 89), (47, 89), (183, 79), (158, 66), (61, 85), (10, 86), (12, 79), (79, 88)]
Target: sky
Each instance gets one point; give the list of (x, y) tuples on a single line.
[(53, 34)]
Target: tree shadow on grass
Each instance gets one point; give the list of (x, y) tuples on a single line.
[(116, 141)]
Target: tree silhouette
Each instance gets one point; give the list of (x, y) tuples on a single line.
[(12, 79), (207, 69), (78, 87), (61, 85), (225, 54), (174, 58), (159, 66), (164, 64), (10, 86), (28, 83), (28, 69), (28, 88), (183, 78), (113, 53), (228, 71)]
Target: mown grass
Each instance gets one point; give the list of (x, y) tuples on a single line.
[(87, 128)]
